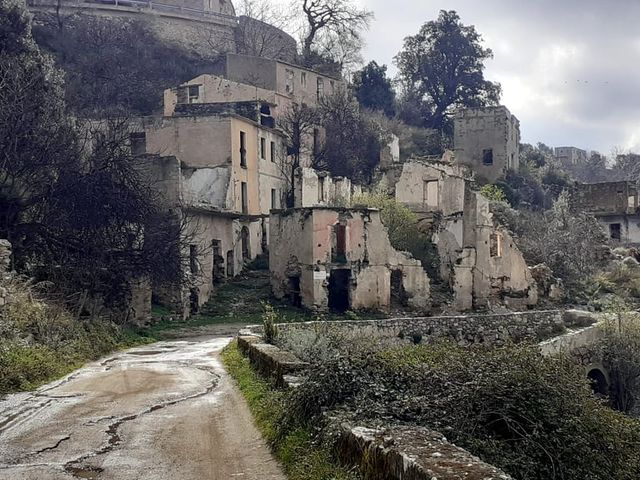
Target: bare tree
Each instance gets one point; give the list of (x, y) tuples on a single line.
[(335, 20), (297, 123), (262, 30)]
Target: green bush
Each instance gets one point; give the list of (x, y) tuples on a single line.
[(533, 416)]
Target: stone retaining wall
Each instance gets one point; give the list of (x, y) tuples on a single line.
[(495, 329), (411, 453)]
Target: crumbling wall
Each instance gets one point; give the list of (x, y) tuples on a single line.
[(319, 188), (478, 257), (302, 246)]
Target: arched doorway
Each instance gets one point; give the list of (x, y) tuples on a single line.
[(245, 240), (599, 382)]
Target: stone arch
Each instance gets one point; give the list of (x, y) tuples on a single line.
[(599, 380)]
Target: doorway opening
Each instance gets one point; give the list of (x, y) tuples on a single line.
[(339, 290), (295, 296), (399, 296)]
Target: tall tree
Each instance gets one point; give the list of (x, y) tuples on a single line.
[(352, 142), (442, 68), (337, 22), (373, 88)]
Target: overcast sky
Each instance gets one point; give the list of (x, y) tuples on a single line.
[(569, 69)]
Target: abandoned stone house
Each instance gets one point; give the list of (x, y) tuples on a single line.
[(615, 205), (478, 257), (341, 258), (487, 139)]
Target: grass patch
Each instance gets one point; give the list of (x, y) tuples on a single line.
[(41, 341), (301, 457)]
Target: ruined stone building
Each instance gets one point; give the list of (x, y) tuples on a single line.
[(570, 155), (487, 139), (478, 257), (615, 205), (341, 258)]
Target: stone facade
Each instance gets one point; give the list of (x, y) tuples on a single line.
[(478, 257), (487, 140), (340, 258), (615, 205)]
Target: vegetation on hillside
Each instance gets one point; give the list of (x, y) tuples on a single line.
[(41, 340)]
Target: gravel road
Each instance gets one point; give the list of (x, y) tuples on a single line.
[(163, 411)]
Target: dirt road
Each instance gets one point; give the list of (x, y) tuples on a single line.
[(165, 411)]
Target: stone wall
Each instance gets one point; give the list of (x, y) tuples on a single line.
[(495, 329), (5, 256)]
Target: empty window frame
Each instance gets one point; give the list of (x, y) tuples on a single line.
[(495, 245), (194, 93), (319, 88), (321, 189), (430, 193), (272, 151), (243, 149), (263, 148), (193, 259), (244, 198), (487, 156), (289, 81), (303, 79), (138, 142), (274, 198)]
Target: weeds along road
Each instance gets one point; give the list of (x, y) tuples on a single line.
[(163, 411)]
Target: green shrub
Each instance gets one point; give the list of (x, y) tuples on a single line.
[(533, 416), (269, 320)]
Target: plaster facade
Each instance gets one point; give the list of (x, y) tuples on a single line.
[(338, 258), (487, 140)]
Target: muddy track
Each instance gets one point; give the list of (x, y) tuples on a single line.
[(165, 411)]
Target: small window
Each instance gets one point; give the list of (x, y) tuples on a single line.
[(274, 198), (333, 85), (615, 232), (487, 156), (138, 142), (272, 151), (289, 80), (321, 189), (320, 88), (243, 197), (194, 93), (243, 149), (303, 79), (495, 245), (339, 252), (263, 148)]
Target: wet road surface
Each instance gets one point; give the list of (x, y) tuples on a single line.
[(158, 412)]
